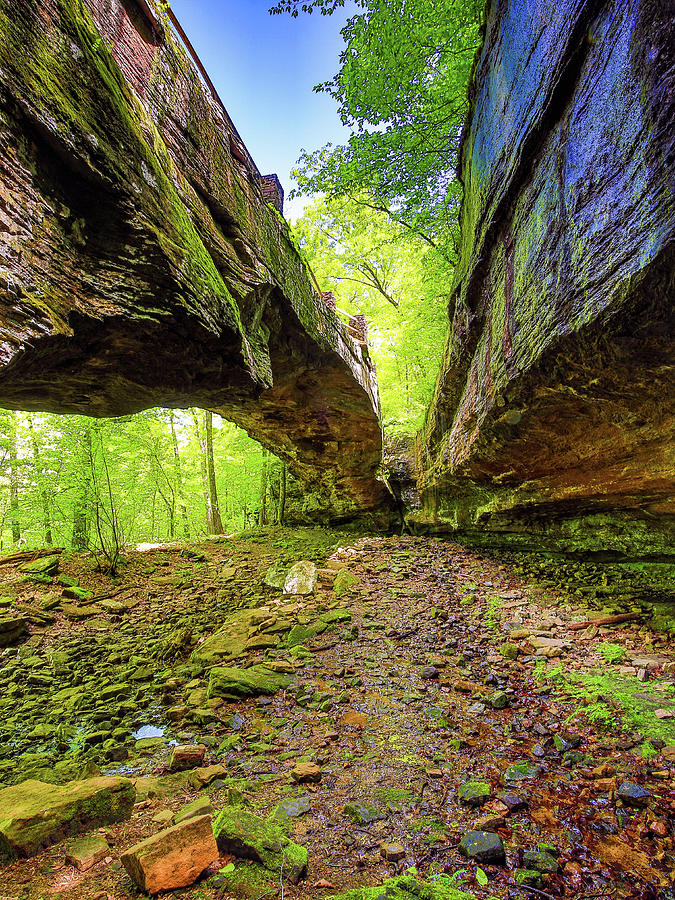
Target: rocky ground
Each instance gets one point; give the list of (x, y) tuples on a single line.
[(425, 714)]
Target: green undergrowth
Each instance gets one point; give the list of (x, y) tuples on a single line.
[(407, 887), (612, 653), (607, 701), (245, 878)]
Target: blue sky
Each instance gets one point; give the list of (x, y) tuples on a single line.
[(264, 68)]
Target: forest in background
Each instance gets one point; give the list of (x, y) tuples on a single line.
[(102, 484), (382, 234)]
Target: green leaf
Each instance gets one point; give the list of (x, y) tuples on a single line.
[(481, 877)]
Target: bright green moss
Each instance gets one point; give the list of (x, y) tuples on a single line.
[(407, 887)]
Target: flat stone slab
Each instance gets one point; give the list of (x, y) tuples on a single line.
[(290, 808), (172, 858), (199, 807), (87, 851), (34, 815), (46, 565)]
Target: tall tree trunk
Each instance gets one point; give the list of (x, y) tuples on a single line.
[(13, 480), (262, 517), (178, 470), (282, 495), (41, 483), (82, 507), (215, 522), (201, 438)]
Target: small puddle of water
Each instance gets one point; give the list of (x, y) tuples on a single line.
[(148, 731)]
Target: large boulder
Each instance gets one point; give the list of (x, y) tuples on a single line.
[(301, 578), (34, 815), (248, 836), (172, 858)]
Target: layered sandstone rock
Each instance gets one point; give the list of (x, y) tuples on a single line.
[(140, 263), (172, 858), (552, 420), (35, 815)]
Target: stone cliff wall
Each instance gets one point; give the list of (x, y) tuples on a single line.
[(140, 263), (552, 420)]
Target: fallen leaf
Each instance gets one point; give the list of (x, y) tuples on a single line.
[(351, 717), (665, 713)]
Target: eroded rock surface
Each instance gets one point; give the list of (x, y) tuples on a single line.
[(140, 263), (552, 418), (35, 814)]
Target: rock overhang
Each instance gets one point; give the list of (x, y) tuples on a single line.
[(141, 264)]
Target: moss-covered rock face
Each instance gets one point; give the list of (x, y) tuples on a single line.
[(552, 416), (34, 814), (250, 837), (140, 264)]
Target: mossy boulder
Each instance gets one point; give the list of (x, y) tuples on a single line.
[(34, 814), (300, 634), (344, 580), (77, 593), (249, 837), (275, 577), (231, 683), (474, 793), (244, 879), (290, 808), (46, 565), (509, 651), (228, 642), (363, 813)]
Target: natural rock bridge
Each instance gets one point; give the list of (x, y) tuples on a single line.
[(141, 264), (142, 261)]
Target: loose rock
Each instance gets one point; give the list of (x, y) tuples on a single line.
[(483, 846), (186, 756), (172, 858)]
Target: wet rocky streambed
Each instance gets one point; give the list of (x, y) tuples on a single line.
[(353, 716)]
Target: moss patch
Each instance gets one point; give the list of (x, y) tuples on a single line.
[(633, 703), (406, 887)]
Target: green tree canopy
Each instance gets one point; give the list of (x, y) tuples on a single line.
[(376, 267), (402, 89)]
